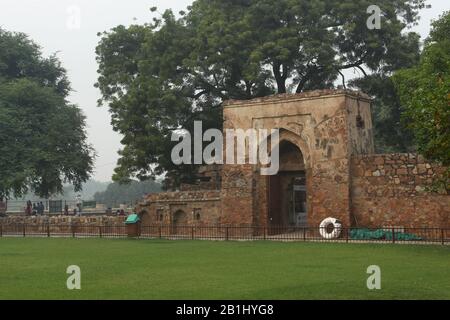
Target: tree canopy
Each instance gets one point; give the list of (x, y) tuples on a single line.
[(130, 193), (42, 136), (424, 93), (162, 75), (391, 132)]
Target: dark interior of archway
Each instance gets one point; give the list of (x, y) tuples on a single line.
[(287, 189), (180, 220)]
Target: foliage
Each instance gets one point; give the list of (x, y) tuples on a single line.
[(130, 193), (42, 136), (161, 76), (89, 188), (390, 131), (424, 92)]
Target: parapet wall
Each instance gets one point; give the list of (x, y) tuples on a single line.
[(62, 220), (63, 225), (182, 208), (393, 190)]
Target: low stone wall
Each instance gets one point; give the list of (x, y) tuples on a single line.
[(182, 196), (181, 208), (63, 225), (62, 220), (392, 190)]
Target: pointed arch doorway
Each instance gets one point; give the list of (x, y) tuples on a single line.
[(287, 189)]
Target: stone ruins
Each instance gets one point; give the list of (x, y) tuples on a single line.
[(327, 169)]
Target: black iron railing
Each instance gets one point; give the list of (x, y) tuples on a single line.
[(236, 233)]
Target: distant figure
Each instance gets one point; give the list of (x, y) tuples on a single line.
[(75, 211), (66, 210), (79, 209), (122, 212), (2, 206), (28, 209), (79, 204), (118, 212), (41, 208), (34, 209)]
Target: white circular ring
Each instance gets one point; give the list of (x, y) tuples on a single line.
[(325, 224)]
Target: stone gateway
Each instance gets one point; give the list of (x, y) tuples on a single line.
[(327, 169)]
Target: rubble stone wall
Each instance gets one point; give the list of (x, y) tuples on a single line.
[(64, 225), (394, 190), (182, 208)]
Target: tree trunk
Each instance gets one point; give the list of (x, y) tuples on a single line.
[(281, 79)]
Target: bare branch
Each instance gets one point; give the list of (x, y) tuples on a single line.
[(343, 79), (362, 70)]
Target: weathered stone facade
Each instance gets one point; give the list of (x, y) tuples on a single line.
[(63, 224), (327, 169), (323, 126), (182, 208), (60, 219), (393, 190)]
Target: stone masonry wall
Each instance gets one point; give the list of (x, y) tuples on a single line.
[(392, 190), (238, 195), (64, 224), (55, 220), (330, 194), (196, 208), (324, 125), (333, 131)]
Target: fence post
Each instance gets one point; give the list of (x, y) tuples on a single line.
[(442, 236), (160, 232), (393, 235), (265, 233), (346, 235), (226, 233), (24, 227), (1, 230), (304, 234), (72, 229), (48, 230), (192, 233), (100, 231)]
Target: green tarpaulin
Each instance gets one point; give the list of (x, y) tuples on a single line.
[(366, 234), (132, 219)]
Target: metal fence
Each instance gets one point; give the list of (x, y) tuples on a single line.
[(58, 207), (233, 233)]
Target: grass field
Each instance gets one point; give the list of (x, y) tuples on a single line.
[(152, 269)]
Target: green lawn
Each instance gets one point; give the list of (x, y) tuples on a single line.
[(153, 269)]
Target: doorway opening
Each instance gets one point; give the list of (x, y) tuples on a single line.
[(180, 221), (287, 190)]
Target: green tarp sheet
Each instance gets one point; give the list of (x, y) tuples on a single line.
[(366, 234)]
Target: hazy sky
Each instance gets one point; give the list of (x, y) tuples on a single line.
[(50, 24)]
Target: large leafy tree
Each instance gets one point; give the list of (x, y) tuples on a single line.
[(424, 93), (42, 136), (391, 133), (130, 193), (162, 75)]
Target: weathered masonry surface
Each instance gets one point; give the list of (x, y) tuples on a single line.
[(391, 189), (327, 169)]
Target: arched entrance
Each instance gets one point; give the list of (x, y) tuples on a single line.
[(179, 220), (287, 189)]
